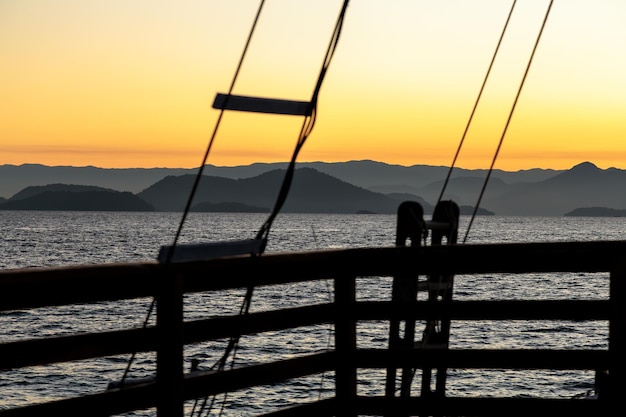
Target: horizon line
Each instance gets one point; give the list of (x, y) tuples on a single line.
[(306, 162)]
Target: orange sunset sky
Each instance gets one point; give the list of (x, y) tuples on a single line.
[(130, 83)]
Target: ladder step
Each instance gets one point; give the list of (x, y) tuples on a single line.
[(261, 105), (210, 250)]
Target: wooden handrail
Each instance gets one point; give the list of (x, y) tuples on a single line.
[(30, 288), (84, 346), (33, 288)]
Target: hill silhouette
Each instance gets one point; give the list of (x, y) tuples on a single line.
[(70, 198), (523, 193), (583, 185), (596, 212), (38, 189), (14, 178), (311, 192), (375, 176)]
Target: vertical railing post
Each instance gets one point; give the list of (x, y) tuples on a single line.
[(617, 336), (345, 345), (170, 401)]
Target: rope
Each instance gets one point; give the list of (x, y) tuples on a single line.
[(220, 365), (233, 341), (519, 91), (214, 134), (199, 175), (480, 93), (134, 354), (305, 131)]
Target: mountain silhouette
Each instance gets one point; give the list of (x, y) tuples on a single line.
[(38, 189), (375, 176), (107, 200), (584, 185), (255, 187), (596, 212), (311, 192)]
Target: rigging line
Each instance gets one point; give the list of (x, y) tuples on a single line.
[(519, 91), (132, 357), (200, 170), (286, 185), (215, 129), (305, 131), (230, 347), (307, 127), (480, 93)]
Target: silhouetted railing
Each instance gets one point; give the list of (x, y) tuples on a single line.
[(33, 288)]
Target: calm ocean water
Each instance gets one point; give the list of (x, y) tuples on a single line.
[(34, 239)]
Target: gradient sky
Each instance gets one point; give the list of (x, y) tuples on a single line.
[(130, 83)]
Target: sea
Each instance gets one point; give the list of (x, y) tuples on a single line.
[(55, 238)]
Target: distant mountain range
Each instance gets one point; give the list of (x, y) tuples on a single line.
[(311, 192), (344, 187)]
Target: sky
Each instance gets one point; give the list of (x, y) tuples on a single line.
[(130, 83)]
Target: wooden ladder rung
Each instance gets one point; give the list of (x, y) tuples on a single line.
[(261, 105), (209, 250)]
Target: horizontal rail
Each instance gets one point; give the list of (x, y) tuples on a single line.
[(196, 385), (137, 397), (206, 383), (29, 288), (485, 310), (451, 407), (480, 406), (43, 351), (200, 384), (85, 346), (48, 287), (558, 359), (48, 350), (321, 408)]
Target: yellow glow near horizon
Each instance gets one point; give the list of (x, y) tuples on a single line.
[(130, 84)]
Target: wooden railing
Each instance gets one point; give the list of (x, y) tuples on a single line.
[(33, 288)]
